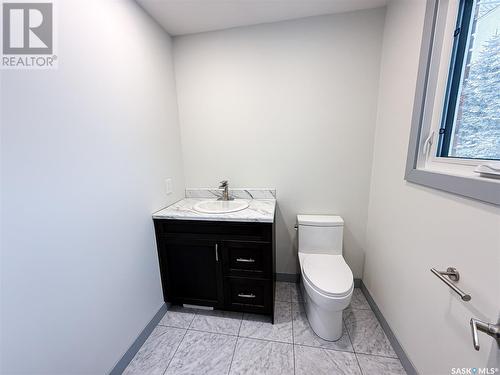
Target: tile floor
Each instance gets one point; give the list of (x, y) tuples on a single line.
[(217, 342)]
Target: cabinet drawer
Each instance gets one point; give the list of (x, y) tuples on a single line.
[(248, 259), (215, 230), (251, 295)]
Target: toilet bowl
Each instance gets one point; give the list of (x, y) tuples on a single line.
[(326, 279)]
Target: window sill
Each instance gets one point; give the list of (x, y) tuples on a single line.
[(459, 167), (462, 183)]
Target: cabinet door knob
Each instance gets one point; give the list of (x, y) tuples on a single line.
[(216, 253)]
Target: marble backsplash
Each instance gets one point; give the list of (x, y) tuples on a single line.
[(237, 193)]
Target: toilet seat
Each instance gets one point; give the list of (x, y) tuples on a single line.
[(328, 274)]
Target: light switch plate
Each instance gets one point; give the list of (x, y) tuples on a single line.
[(169, 186)]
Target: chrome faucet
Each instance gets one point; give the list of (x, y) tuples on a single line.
[(225, 194)]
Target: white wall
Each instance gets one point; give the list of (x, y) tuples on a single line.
[(85, 151), (289, 105), (411, 228)]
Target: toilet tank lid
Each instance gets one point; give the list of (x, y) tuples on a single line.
[(320, 220)]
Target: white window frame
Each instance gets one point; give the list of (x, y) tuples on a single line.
[(455, 175)]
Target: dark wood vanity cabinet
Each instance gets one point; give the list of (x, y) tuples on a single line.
[(225, 265), (193, 274)]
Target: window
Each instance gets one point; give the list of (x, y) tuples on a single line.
[(471, 123), (455, 132)]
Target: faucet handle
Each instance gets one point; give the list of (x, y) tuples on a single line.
[(223, 184)]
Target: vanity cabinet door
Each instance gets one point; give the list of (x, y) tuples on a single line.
[(192, 271)]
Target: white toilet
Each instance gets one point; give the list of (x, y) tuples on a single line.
[(327, 281)]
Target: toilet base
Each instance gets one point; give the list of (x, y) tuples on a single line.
[(326, 323)]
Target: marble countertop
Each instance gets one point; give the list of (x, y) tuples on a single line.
[(259, 210)]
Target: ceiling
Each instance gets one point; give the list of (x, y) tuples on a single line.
[(180, 17)]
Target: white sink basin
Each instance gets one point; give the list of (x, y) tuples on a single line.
[(220, 207)]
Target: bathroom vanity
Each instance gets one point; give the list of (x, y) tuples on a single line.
[(221, 260)]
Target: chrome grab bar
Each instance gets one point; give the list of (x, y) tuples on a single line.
[(452, 274), (243, 260)]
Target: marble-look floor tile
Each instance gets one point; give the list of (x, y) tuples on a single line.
[(374, 365), (157, 351), (202, 353), (217, 321), (178, 316), (366, 334), (260, 326), (297, 293), (319, 361), (262, 357), (283, 291), (303, 334), (359, 301)]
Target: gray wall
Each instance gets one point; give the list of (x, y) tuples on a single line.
[(290, 105), (412, 228), (85, 151)]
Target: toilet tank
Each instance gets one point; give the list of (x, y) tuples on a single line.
[(320, 234)]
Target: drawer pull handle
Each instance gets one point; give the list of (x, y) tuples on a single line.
[(243, 260), (243, 295)]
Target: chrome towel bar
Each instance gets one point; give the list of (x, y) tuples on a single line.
[(452, 274)]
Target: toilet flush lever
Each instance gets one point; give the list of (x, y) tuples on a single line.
[(492, 330)]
